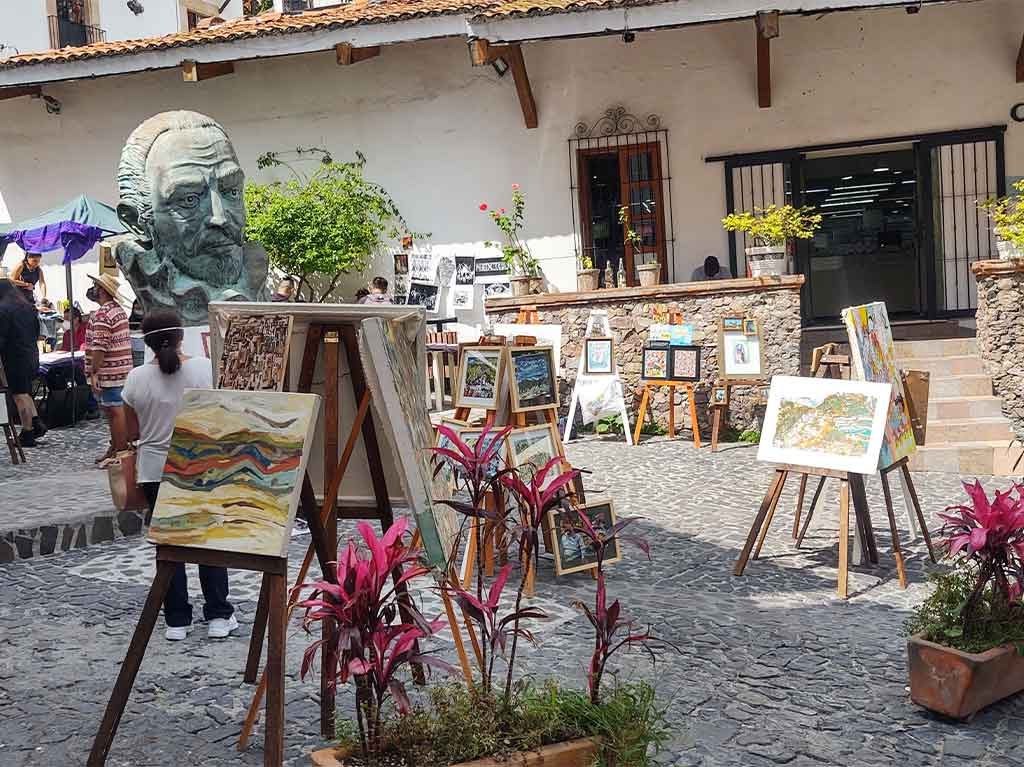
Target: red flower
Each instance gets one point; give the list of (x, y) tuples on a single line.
[(515, 187), (502, 211), (483, 206)]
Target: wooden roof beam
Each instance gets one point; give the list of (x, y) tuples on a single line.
[(482, 52), (767, 25), (195, 71), (1020, 62), (20, 90), (348, 54)]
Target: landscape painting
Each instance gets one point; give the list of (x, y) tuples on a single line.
[(873, 358), (597, 357), (531, 447), (532, 375), (479, 376), (573, 550), (824, 423), (234, 471)]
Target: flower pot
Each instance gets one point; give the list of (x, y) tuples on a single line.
[(1008, 251), (959, 684), (536, 285), (586, 279), (767, 261), (572, 753), (520, 286), (649, 274)]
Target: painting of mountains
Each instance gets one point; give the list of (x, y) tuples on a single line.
[(838, 424), (533, 378)]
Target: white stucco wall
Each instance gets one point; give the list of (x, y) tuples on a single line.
[(23, 27), (443, 136)]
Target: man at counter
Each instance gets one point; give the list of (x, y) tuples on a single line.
[(711, 270)]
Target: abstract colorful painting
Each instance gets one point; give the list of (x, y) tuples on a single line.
[(655, 363), (873, 358), (234, 471), (255, 353), (532, 377), (824, 423), (684, 363)]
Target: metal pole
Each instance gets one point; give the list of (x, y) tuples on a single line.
[(71, 343)]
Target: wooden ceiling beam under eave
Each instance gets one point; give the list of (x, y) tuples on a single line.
[(767, 26), (20, 90), (348, 54), (482, 52), (195, 71)]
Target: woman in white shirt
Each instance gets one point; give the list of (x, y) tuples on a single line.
[(152, 395)]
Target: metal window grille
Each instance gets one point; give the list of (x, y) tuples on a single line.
[(750, 187), (297, 6), (641, 148)]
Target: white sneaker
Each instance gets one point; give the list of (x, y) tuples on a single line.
[(221, 628), (177, 633)]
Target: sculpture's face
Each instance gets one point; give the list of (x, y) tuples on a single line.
[(198, 210)]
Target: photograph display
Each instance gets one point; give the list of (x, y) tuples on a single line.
[(255, 353), (685, 363), (655, 363), (422, 294), (480, 376), (574, 551), (598, 356), (532, 377), (465, 270)]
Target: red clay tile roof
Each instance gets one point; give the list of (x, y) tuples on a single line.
[(353, 14)]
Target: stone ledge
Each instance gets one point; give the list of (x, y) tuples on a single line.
[(658, 292), (997, 268)]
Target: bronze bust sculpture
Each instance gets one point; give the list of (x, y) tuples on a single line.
[(181, 190)]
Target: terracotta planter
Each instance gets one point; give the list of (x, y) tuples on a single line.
[(649, 274), (959, 684), (586, 279), (520, 286), (573, 753)]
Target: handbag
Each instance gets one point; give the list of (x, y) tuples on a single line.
[(124, 491)]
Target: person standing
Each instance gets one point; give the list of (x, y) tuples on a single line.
[(19, 352), (285, 291), (152, 396), (108, 357), (28, 274)]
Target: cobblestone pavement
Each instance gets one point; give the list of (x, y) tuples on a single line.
[(773, 668)]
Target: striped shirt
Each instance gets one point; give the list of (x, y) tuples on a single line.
[(108, 333)]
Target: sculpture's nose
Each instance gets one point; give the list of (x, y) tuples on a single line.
[(217, 213)]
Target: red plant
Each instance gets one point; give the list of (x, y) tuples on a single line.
[(372, 648), (989, 535)]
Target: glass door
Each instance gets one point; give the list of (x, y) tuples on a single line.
[(640, 171)]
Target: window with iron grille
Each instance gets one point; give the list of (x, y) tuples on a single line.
[(297, 6), (621, 160)]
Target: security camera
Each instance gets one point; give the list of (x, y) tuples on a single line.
[(135, 7), (53, 106)]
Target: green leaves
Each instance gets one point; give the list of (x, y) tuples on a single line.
[(1007, 215), (775, 225)]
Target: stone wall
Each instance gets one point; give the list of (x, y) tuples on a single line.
[(1000, 321), (774, 302)]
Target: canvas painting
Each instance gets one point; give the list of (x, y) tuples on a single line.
[(532, 378), (255, 353), (655, 363), (684, 363), (680, 335), (599, 396), (422, 294), (659, 333), (480, 376), (574, 551), (445, 468), (719, 395), (873, 358), (401, 263), (750, 327), (825, 423), (530, 448), (740, 355), (598, 356), (234, 471), (732, 323)]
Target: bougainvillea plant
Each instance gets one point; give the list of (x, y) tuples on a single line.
[(514, 251)]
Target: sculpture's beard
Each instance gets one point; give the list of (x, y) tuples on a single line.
[(215, 259)]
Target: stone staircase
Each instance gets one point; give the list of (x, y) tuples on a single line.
[(967, 431)]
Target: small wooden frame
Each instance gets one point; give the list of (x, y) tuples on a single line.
[(556, 520), (522, 405), (548, 429), (727, 369), (599, 341), (486, 352), (719, 404)]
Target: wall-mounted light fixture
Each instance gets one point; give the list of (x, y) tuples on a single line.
[(500, 66), (53, 106)]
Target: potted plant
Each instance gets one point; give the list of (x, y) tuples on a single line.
[(1007, 216), (524, 269), (966, 640), (648, 274), (586, 275), (496, 719), (771, 229)]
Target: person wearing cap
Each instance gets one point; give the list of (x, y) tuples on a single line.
[(108, 357)]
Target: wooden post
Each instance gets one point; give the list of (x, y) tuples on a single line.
[(844, 538), (671, 411), (897, 552), (799, 505), (641, 413), (694, 423), (771, 515), (273, 739)]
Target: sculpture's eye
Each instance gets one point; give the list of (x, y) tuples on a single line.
[(233, 193), (190, 200)]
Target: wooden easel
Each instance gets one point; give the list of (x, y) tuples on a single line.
[(719, 412), (674, 318), (574, 401)]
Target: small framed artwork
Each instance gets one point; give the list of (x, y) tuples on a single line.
[(531, 447), (763, 394), (655, 363), (740, 356), (479, 381), (684, 363), (574, 551), (446, 468), (681, 335), (732, 323), (598, 356), (401, 263), (532, 378), (472, 436), (719, 396), (750, 326), (659, 332)]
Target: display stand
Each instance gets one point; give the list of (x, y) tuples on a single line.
[(574, 402), (720, 412), (674, 318)]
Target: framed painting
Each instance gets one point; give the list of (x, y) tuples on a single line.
[(479, 378), (719, 395), (254, 356), (532, 379), (546, 335), (873, 358), (598, 356), (446, 469), (531, 447), (655, 363), (473, 435), (732, 323), (825, 423), (750, 326), (234, 471), (740, 356), (422, 294), (684, 363), (573, 550)]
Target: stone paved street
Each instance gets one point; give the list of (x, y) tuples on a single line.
[(773, 669)]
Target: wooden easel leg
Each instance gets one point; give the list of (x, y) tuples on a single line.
[(273, 740), (755, 528), (716, 425), (908, 507), (694, 423), (132, 662), (863, 517), (259, 629), (799, 505), (844, 538), (894, 532), (771, 515), (460, 647), (641, 413), (917, 509), (810, 512), (671, 412)]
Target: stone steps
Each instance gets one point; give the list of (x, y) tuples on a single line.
[(938, 347), (960, 407), (977, 385), (945, 367), (969, 458), (969, 430)]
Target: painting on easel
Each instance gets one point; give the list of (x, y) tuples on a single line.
[(532, 378), (255, 353), (573, 551), (479, 377), (531, 447), (234, 471), (873, 358), (824, 423)]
